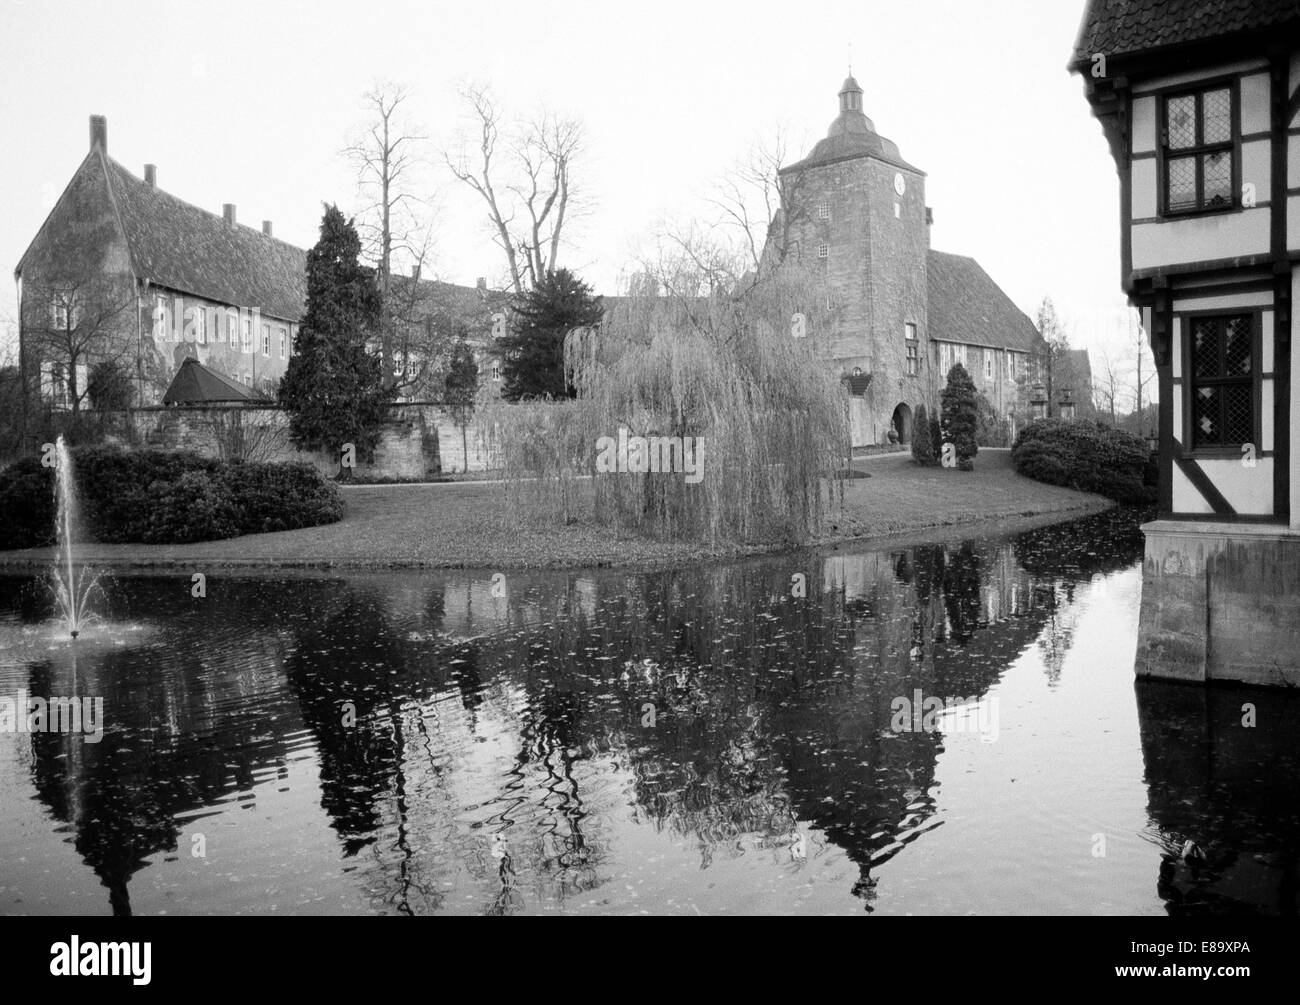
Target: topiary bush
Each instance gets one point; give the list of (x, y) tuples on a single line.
[(1085, 455), (164, 497)]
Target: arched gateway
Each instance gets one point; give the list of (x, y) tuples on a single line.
[(902, 423)]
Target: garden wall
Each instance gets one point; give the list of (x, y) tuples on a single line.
[(418, 440)]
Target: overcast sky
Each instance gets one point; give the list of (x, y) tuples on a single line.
[(251, 103)]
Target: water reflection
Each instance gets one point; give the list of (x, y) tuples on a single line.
[(586, 742)]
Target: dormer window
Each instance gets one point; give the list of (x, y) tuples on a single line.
[(1197, 148)]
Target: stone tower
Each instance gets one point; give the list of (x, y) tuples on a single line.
[(856, 209)]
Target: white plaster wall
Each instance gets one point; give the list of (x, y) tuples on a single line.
[(1254, 104), (1249, 490), (1186, 498), (1144, 124), (1143, 175), (1202, 238)]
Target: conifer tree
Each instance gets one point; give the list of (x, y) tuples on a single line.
[(533, 352), (922, 448), (333, 388), (460, 388), (960, 409)]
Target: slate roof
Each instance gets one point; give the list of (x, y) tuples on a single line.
[(1080, 363), (967, 306), (190, 250), (1122, 27), (196, 383)]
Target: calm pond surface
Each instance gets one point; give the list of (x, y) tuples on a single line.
[(720, 740)]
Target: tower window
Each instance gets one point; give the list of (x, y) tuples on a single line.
[(911, 357), (823, 250), (496, 371)]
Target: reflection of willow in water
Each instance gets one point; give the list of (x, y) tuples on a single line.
[(463, 735)]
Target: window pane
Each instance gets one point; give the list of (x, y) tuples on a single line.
[(1218, 179), (1181, 120), (1205, 416), (1216, 107), (1205, 348), (1182, 183), (1236, 348), (1237, 425)]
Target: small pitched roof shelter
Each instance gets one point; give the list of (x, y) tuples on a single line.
[(196, 384)]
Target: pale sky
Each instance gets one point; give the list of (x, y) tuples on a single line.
[(251, 103)]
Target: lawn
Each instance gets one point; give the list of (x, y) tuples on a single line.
[(467, 524)]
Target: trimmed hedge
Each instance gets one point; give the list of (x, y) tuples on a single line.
[(164, 497), (1085, 455)]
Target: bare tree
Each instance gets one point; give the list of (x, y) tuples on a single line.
[(528, 190), (238, 439), (1107, 384), (761, 207), (394, 221), (1056, 345), (74, 325)]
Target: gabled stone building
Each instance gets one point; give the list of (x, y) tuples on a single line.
[(130, 274), (901, 313)]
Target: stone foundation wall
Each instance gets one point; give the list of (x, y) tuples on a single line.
[(1220, 602), (418, 440)]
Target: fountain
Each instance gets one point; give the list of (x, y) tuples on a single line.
[(72, 589)]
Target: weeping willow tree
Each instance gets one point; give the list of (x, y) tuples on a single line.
[(703, 412)]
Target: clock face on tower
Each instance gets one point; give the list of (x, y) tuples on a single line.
[(900, 186)]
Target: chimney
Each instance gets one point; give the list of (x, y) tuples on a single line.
[(266, 228), (151, 175), (228, 211), (482, 283), (99, 133)]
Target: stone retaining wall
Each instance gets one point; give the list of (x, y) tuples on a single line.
[(418, 440)]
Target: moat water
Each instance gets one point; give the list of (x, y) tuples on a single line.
[(743, 738)]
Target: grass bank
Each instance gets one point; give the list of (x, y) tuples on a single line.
[(467, 525)]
